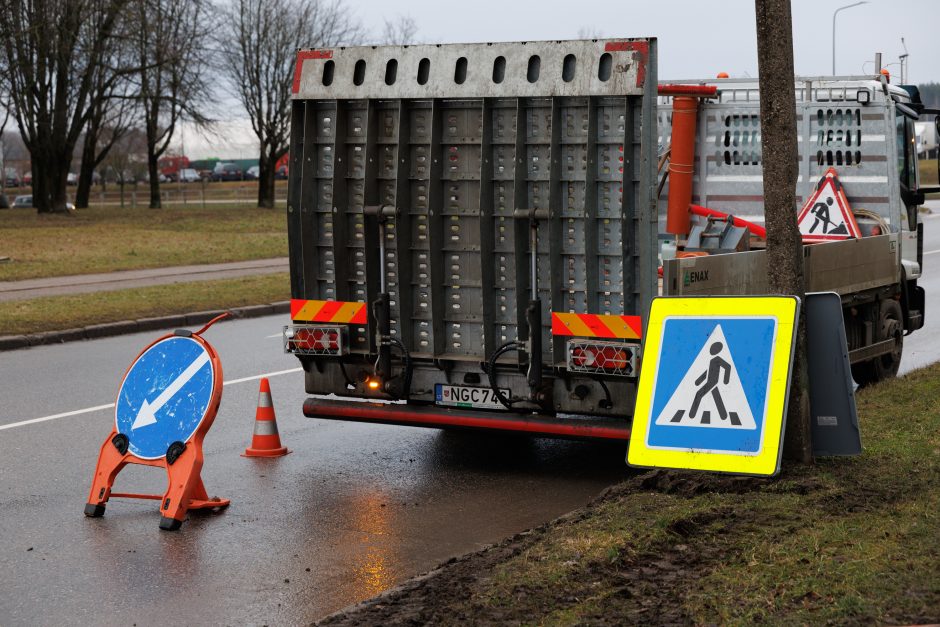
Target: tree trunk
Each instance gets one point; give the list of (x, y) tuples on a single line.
[(266, 168), (781, 162), (154, 174), (86, 172)]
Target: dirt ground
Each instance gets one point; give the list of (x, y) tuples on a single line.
[(644, 588)]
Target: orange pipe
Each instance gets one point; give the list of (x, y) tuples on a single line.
[(681, 168)]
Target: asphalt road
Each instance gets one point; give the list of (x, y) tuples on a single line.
[(923, 346), (352, 511)]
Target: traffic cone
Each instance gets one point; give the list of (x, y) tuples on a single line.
[(265, 442)]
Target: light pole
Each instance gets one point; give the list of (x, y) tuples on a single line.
[(834, 14), (903, 59)]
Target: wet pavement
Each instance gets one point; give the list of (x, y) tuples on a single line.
[(352, 511)]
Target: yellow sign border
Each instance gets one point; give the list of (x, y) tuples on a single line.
[(767, 461)]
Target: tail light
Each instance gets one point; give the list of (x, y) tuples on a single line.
[(613, 358), (316, 340)]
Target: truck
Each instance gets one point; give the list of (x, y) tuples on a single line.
[(476, 231)]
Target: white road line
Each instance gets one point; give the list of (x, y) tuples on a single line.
[(77, 412), (261, 376), (268, 337), (89, 410), (932, 252)]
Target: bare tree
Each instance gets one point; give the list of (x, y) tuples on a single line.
[(113, 106), (171, 40), (259, 49), (52, 50), (781, 158), (126, 162), (400, 31)]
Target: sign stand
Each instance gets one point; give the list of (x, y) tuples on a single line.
[(167, 402)]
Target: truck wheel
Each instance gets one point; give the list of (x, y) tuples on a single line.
[(864, 373), (890, 325), (884, 366)]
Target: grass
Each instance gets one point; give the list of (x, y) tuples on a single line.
[(849, 540), (68, 312), (104, 239)]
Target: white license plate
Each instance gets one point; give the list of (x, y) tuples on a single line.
[(465, 396)]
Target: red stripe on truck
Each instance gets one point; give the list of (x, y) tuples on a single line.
[(302, 56), (640, 47)]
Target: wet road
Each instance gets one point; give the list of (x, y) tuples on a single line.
[(354, 510), (923, 346)]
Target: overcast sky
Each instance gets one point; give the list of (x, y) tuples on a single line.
[(697, 38)]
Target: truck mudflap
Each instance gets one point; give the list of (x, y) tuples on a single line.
[(441, 418)]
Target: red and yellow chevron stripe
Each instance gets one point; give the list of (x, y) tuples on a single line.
[(597, 325), (328, 311)]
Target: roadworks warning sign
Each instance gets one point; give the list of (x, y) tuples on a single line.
[(826, 215), (713, 388)]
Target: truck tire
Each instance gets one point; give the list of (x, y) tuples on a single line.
[(884, 366)]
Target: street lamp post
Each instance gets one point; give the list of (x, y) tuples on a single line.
[(834, 13)]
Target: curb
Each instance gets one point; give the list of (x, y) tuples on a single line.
[(110, 329)]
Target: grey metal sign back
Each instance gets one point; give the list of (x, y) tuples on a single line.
[(831, 389)]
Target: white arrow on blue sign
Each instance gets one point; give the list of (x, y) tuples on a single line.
[(165, 396)]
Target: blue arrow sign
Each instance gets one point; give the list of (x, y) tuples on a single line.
[(165, 396)]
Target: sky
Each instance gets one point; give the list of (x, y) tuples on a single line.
[(696, 38)]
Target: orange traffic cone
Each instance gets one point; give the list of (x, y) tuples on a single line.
[(265, 442)]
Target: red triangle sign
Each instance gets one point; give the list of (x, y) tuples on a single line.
[(826, 215)]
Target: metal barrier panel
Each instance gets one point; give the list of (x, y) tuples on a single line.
[(457, 138)]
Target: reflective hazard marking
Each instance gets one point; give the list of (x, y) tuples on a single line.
[(826, 215), (334, 311), (713, 388), (596, 325)]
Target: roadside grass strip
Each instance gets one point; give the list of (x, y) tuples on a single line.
[(850, 539), (846, 541), (56, 313), (107, 239)]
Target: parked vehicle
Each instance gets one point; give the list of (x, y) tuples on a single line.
[(281, 173), (26, 201), (189, 175), (227, 172), (458, 218), (252, 173)]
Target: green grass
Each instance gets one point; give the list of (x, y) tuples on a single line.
[(104, 239), (849, 540), (68, 312)]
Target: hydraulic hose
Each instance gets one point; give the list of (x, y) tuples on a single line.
[(406, 357), (491, 371)]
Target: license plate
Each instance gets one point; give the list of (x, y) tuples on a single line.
[(465, 396)]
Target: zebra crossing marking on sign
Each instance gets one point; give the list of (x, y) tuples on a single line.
[(713, 388)]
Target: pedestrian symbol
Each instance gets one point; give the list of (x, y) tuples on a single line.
[(712, 391), (826, 215), (710, 394)]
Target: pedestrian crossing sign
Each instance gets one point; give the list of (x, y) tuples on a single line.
[(713, 388)]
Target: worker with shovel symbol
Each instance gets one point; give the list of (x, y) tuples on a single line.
[(821, 211), (710, 378)]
